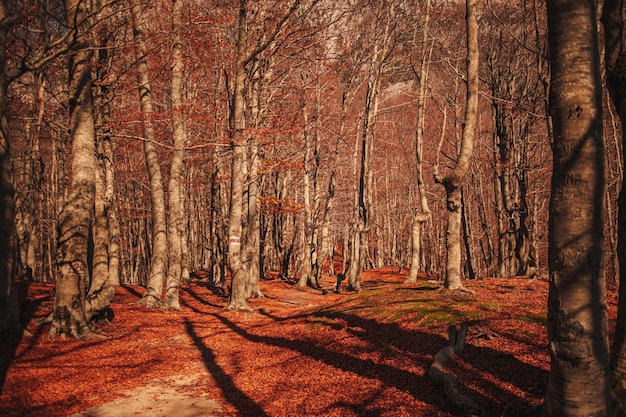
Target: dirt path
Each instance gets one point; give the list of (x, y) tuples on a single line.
[(161, 398)]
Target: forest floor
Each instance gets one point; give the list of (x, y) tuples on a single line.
[(299, 353)]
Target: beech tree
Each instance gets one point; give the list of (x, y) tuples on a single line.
[(453, 181), (175, 204), (383, 42), (71, 313), (246, 52), (422, 213), (577, 311), (34, 43), (158, 261)]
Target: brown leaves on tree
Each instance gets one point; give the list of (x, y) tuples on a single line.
[(299, 353)]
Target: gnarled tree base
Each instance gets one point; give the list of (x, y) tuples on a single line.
[(67, 324)]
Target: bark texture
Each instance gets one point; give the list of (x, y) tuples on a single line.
[(75, 221), (454, 181), (158, 265), (577, 322), (175, 219)]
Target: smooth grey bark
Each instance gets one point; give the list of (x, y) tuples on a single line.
[(69, 316), (453, 181), (158, 263), (239, 143), (577, 318), (175, 213), (422, 214)]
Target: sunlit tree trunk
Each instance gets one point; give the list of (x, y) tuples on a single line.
[(307, 275), (253, 235), (422, 214), (158, 263), (577, 316), (175, 214), (237, 299), (454, 180), (218, 262), (76, 219), (239, 143), (105, 275)]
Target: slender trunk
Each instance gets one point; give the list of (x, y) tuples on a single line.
[(158, 264), (421, 215), (306, 271), (454, 181), (470, 265), (253, 234), (175, 218), (238, 275)]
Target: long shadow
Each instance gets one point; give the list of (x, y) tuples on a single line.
[(389, 375), (131, 290), (12, 339), (245, 405), (422, 345), (199, 299), (505, 366)]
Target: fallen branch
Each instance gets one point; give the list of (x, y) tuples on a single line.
[(448, 380)]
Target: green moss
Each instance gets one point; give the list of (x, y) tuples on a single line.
[(532, 319)]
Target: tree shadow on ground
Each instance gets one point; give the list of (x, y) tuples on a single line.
[(421, 347), (388, 375), (12, 339), (245, 405)]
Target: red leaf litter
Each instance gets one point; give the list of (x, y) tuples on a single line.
[(299, 353)]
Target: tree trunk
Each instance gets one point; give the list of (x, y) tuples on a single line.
[(253, 233), (361, 222), (158, 264), (9, 308), (421, 215), (75, 220), (307, 275), (237, 299), (175, 219), (454, 181), (577, 317), (470, 265), (239, 142), (29, 197)]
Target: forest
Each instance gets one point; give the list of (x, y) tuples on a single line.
[(151, 151)]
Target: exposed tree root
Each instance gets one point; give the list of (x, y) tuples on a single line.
[(448, 380), (150, 301)]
